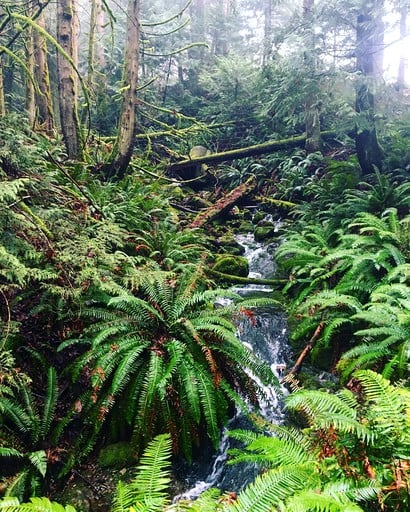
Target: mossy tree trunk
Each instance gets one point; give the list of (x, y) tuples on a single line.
[(126, 130), (67, 34), (96, 57), (257, 149), (30, 89), (369, 51), (2, 102), (43, 101)]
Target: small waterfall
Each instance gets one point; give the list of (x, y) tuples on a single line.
[(266, 335)]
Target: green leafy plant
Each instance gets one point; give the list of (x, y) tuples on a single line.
[(166, 357), (348, 450), (34, 505), (26, 428), (384, 338), (378, 194)]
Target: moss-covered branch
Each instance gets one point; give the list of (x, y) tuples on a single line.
[(257, 149), (245, 280)]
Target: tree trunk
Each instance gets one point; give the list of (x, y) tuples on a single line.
[(67, 34), (267, 35), (401, 74), (127, 123), (220, 43), (198, 32), (368, 51), (43, 101), (225, 203), (30, 89), (96, 57), (2, 102), (312, 109)]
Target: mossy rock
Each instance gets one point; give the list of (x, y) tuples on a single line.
[(230, 246), (258, 217), (264, 232), (245, 226), (116, 455), (232, 265), (177, 192)]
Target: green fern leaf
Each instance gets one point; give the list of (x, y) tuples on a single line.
[(272, 488), (208, 403)]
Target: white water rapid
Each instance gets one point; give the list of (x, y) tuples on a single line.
[(266, 335)]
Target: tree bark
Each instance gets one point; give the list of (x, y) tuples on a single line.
[(43, 101), (224, 204), (401, 78), (96, 57), (127, 123), (2, 102), (30, 89), (368, 53), (67, 34), (267, 33), (296, 367), (312, 109)]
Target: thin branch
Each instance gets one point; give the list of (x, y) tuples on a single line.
[(76, 184), (8, 327), (168, 20)]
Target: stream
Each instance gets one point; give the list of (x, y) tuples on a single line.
[(267, 337)]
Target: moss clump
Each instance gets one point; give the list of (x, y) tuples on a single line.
[(264, 232), (116, 455), (231, 265)]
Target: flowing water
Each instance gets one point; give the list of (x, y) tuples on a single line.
[(266, 335)]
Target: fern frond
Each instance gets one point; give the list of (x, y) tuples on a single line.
[(153, 375), (34, 505), (273, 451), (389, 402), (149, 488), (50, 403), (313, 501), (39, 460), (318, 404), (272, 488), (331, 299), (208, 403)]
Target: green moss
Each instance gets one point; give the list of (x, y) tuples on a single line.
[(264, 232), (232, 265), (245, 226), (116, 455)]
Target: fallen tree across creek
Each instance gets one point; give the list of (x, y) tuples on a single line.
[(258, 149)]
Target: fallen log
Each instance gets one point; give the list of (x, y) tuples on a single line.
[(258, 149), (225, 203), (245, 280)]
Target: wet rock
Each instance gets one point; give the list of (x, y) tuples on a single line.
[(264, 232)]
